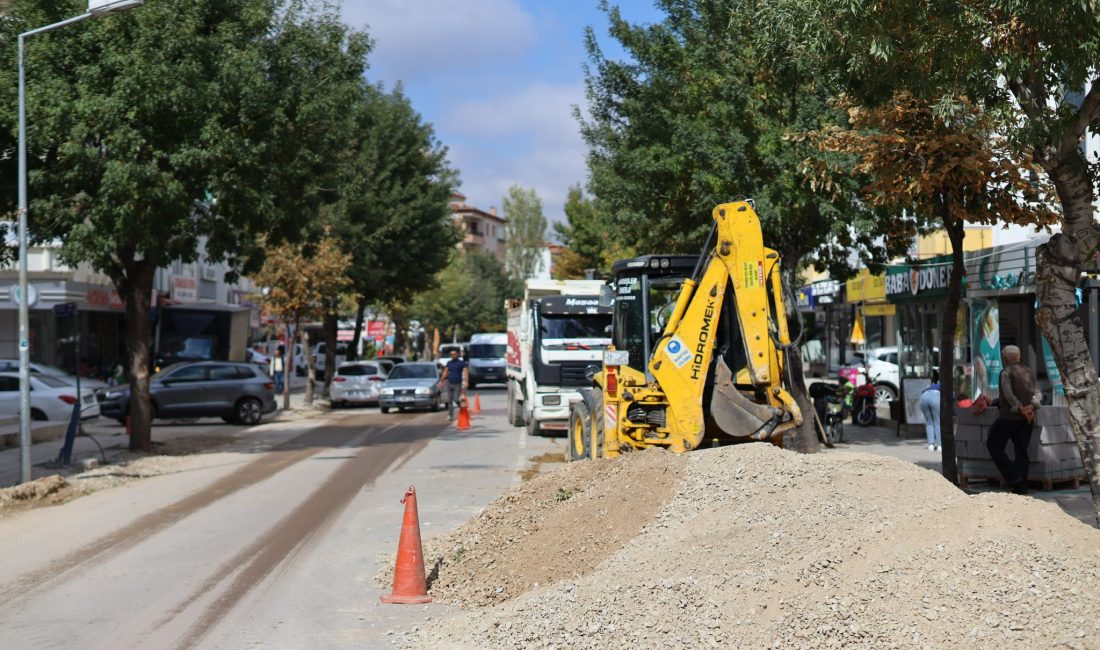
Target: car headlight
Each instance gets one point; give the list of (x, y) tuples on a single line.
[(112, 395), (387, 391), (423, 391)]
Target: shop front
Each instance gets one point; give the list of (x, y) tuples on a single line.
[(828, 324), (866, 295), (918, 292)]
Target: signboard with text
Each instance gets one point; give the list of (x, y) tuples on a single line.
[(926, 281), (184, 289)]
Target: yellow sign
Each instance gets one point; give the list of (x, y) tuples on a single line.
[(880, 310), (865, 287)]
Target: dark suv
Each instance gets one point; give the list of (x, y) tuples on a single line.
[(235, 392)]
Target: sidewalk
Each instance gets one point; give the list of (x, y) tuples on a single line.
[(912, 447)]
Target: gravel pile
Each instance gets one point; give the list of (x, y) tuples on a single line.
[(763, 548), (555, 526)]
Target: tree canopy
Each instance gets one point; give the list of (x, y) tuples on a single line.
[(525, 231)]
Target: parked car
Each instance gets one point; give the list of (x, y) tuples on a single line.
[(257, 357), (357, 382), (319, 359), (487, 359), (12, 365), (411, 385), (236, 392), (52, 399)]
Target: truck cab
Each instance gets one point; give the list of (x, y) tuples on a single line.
[(553, 341)]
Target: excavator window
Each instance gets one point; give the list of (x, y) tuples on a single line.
[(642, 308), (731, 343)]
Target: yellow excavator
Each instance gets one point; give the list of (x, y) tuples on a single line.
[(699, 349)]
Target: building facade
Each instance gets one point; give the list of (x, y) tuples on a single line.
[(481, 230)]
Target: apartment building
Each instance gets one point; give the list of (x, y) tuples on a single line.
[(481, 230)]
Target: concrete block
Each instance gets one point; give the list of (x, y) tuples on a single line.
[(46, 431), (968, 432)]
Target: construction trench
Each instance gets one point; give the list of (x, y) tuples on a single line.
[(752, 546)]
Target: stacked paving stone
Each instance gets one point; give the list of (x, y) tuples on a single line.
[(1053, 453)]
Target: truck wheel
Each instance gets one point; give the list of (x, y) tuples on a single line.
[(516, 407), (580, 423)]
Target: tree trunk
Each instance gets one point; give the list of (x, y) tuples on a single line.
[(310, 372), (400, 329), (955, 233), (288, 356), (136, 289), (357, 335), (805, 438), (331, 324), (1058, 268)]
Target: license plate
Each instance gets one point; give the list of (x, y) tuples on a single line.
[(404, 399)]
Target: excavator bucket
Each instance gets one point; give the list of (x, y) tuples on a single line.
[(736, 415)]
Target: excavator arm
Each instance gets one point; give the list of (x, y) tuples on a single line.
[(733, 299)]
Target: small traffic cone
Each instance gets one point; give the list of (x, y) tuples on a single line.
[(463, 416), (410, 587), (477, 403)]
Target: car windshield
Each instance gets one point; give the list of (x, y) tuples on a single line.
[(53, 382), (413, 371), (487, 351)]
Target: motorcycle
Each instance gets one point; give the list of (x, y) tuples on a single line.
[(864, 411), (830, 404)]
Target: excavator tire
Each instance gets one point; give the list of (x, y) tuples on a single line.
[(580, 428)]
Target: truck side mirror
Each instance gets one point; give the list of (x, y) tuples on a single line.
[(607, 296), (590, 372)]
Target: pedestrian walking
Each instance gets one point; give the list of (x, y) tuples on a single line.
[(453, 384), (278, 369), (930, 408), (1019, 399)]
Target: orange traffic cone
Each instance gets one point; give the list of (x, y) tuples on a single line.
[(410, 587), (477, 403), (463, 416)]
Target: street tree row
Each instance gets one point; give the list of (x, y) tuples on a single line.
[(220, 129)]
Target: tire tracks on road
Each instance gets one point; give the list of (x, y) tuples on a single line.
[(280, 457), (293, 533)]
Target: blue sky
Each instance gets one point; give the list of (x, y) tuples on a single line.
[(498, 80)]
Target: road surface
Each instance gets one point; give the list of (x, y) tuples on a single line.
[(275, 544)]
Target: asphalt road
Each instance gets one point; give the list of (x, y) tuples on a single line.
[(274, 544)]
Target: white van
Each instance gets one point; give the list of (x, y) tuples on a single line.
[(486, 359)]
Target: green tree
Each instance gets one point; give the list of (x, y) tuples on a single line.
[(525, 231), (468, 298), (590, 238), (696, 116), (187, 127), (1032, 62), (392, 214)]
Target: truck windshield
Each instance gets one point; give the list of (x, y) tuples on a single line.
[(575, 327), (487, 351)]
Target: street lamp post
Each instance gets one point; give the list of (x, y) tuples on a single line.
[(96, 9)]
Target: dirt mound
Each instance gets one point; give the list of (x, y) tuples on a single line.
[(762, 548), (555, 526)]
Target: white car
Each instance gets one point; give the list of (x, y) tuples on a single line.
[(882, 367), (52, 399), (357, 382), (12, 365), (318, 359)]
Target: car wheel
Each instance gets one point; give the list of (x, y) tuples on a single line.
[(435, 406), (533, 428), (38, 416), (385, 409), (248, 412), (885, 393)]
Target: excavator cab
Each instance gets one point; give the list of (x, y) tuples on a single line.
[(699, 349)]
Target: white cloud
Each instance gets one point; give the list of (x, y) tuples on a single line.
[(428, 37), (527, 137)]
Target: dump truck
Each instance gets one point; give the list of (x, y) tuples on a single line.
[(699, 349), (555, 334)]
